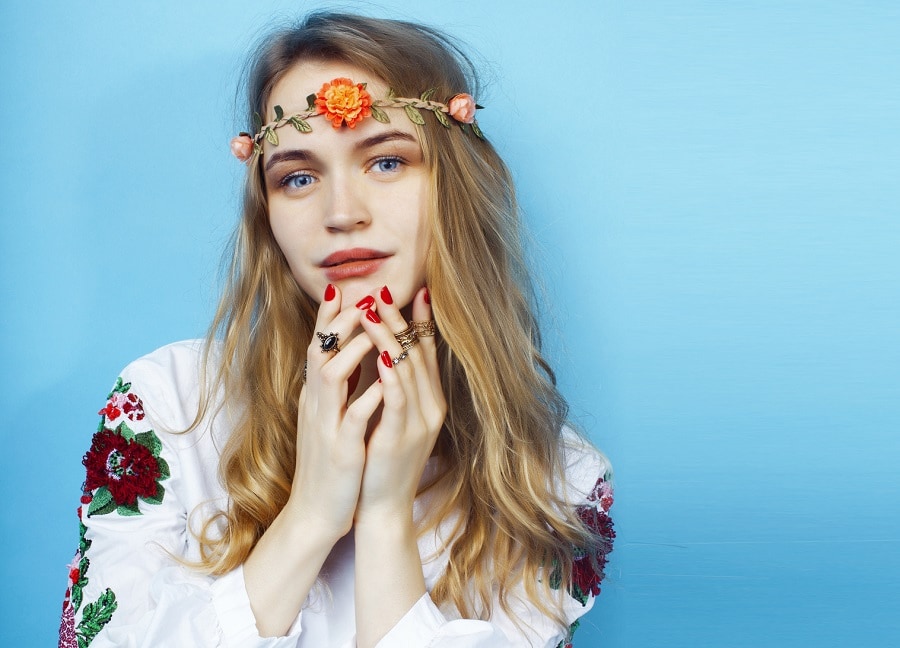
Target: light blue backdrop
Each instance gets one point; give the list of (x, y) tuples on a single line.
[(711, 190)]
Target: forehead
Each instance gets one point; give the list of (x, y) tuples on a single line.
[(306, 78)]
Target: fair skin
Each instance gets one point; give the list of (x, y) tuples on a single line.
[(347, 207)]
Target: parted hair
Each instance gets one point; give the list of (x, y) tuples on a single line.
[(502, 444)]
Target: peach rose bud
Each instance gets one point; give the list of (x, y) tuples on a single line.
[(462, 108), (242, 147)]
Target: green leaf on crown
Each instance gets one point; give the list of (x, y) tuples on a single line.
[(311, 101), (271, 136), (442, 117), (300, 124), (380, 115), (428, 94), (257, 121), (414, 115), (279, 113)]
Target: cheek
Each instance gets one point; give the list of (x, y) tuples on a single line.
[(293, 242)]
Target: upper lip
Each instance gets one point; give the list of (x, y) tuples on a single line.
[(355, 254)]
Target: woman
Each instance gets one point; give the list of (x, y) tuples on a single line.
[(375, 452)]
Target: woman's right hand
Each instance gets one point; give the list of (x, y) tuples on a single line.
[(331, 449)]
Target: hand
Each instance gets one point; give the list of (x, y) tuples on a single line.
[(412, 416), (331, 451)]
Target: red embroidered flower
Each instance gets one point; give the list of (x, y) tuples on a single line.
[(128, 469), (587, 574), (119, 403), (67, 638)]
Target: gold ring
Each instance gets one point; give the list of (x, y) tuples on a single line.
[(407, 337), (424, 329)]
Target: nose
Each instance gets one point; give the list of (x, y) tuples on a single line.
[(346, 208)]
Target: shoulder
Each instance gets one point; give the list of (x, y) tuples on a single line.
[(587, 469), (164, 386)]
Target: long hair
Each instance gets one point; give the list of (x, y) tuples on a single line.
[(501, 445)]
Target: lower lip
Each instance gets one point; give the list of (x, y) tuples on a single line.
[(353, 269)]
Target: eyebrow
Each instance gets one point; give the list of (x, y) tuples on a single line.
[(305, 155)]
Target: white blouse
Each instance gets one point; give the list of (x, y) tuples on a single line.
[(149, 485)]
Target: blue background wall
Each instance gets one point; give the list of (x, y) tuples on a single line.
[(711, 188)]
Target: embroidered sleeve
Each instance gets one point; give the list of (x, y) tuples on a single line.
[(588, 570), (126, 586)]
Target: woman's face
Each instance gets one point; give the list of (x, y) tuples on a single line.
[(347, 206)]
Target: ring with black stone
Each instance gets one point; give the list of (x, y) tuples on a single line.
[(329, 342)]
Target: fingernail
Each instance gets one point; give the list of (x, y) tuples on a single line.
[(386, 359), (329, 292), (386, 296), (372, 316), (427, 297), (365, 303)]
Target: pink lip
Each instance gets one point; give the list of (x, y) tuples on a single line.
[(357, 262)]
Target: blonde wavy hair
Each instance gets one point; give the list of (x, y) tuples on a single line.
[(501, 443)]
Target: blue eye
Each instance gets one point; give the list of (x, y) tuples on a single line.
[(298, 181), (388, 164)]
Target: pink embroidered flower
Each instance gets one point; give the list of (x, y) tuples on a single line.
[(119, 403), (242, 147), (128, 469), (462, 108)]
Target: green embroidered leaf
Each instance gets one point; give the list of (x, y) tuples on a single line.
[(364, 85), (279, 113), (77, 597), (96, 615), (414, 115), (257, 148), (102, 502), (380, 115), (271, 137), (150, 441), (428, 94), (125, 431), (158, 498), (391, 93), (442, 117), (164, 472), (300, 124), (311, 101), (477, 130), (119, 387), (128, 509), (479, 106), (257, 121), (83, 543)]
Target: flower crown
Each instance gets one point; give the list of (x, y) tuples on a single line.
[(343, 102)]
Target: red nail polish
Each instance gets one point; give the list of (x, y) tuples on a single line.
[(386, 359), (365, 303), (372, 316), (329, 292), (386, 296), (427, 297)]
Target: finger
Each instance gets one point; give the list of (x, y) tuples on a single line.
[(383, 327), (421, 312), (356, 419), (331, 320)]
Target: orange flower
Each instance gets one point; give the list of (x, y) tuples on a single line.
[(344, 101)]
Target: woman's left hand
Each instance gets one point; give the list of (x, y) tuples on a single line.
[(412, 416)]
